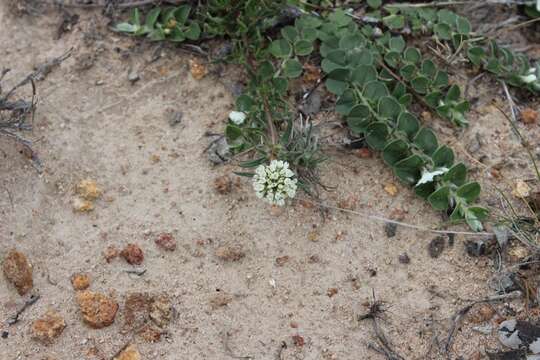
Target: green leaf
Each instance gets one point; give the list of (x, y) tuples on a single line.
[(389, 107), (265, 71), (453, 93), (474, 215), (433, 98), (412, 55), (409, 170), (408, 123), (424, 190), (244, 103), (394, 22), (428, 68), (345, 103), (406, 100), (420, 84), (364, 58), (469, 191), (337, 56), (281, 85), (127, 27), (303, 47), (374, 4), (441, 80), (426, 140), (440, 198), (340, 18), (350, 41), (407, 72), (443, 31), (359, 119), (476, 55), (399, 90), (443, 157), (363, 74), (289, 33), (374, 90), (392, 58), (136, 17), (397, 44), (395, 151), (447, 17), (193, 31), (456, 175), (152, 17), (232, 132), (280, 48), (292, 68), (376, 135), (181, 14), (336, 87), (177, 35), (329, 66), (463, 25)]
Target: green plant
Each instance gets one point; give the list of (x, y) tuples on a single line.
[(163, 24)]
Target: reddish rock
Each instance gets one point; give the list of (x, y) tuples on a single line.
[(110, 253), (18, 271), (48, 327), (298, 340), (223, 184), (230, 252), (80, 281), (166, 241), (136, 310), (98, 310), (129, 353), (132, 254)]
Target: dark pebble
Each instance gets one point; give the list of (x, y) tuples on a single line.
[(436, 247), (390, 229), (404, 258), (5, 334), (475, 248)]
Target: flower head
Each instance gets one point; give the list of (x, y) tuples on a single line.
[(237, 117), (275, 182)]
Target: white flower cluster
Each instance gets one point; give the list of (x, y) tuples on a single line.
[(275, 182), (530, 77)]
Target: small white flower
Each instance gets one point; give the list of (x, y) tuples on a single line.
[(275, 182), (427, 176), (528, 78), (237, 117)]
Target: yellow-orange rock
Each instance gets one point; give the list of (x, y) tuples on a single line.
[(98, 310)]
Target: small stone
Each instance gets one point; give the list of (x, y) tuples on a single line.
[(18, 271), (482, 313), (175, 118), (198, 70), (132, 254), (161, 311), (390, 229), (133, 76), (521, 190), (331, 292), (391, 189), (88, 189), (81, 205), (219, 152), (223, 185), (230, 252), (282, 260), (166, 241), (364, 153), (475, 248), (98, 310), (48, 327), (404, 258), (150, 334), (80, 281), (136, 310), (529, 116), (219, 300), (436, 247), (129, 353), (298, 340), (110, 253)]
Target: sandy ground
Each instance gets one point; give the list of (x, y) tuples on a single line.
[(157, 179)]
